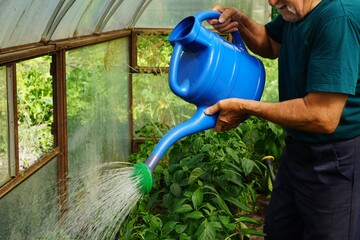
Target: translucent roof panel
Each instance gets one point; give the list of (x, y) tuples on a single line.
[(87, 17), (32, 21), (19, 18), (126, 15), (167, 13)]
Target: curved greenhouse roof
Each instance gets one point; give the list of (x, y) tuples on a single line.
[(26, 22)]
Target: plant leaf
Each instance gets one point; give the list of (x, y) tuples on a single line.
[(206, 231), (232, 153), (183, 208), (179, 228), (197, 198), (195, 175), (175, 189), (155, 222), (247, 220), (167, 228), (195, 215), (207, 148), (252, 232), (248, 165), (220, 200), (167, 177), (225, 221), (238, 203), (168, 200)]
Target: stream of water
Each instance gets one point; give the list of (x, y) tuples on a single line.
[(95, 212)]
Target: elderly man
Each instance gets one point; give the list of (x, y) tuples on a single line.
[(317, 42)]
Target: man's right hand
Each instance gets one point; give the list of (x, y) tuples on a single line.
[(228, 21)]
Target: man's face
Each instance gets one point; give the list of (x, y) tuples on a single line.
[(293, 10)]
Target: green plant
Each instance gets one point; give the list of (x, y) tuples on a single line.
[(205, 185)]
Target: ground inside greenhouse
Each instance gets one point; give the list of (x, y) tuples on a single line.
[(262, 202)]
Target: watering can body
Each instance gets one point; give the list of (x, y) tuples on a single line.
[(205, 69)]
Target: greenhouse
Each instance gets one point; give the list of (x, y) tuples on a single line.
[(84, 93)]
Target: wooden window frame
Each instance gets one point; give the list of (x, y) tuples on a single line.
[(9, 58)]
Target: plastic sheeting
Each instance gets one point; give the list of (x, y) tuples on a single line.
[(167, 13), (31, 205), (32, 21)]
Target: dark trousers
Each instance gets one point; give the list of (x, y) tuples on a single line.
[(316, 194)]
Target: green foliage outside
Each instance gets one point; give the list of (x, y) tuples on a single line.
[(35, 109), (154, 50)]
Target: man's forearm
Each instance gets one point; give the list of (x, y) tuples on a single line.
[(256, 38), (314, 113)]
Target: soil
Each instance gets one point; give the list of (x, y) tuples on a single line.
[(259, 215)]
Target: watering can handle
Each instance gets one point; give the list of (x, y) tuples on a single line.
[(179, 89), (210, 14)]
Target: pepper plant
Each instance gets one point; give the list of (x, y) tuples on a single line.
[(206, 185)]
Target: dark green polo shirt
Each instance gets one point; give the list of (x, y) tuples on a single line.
[(321, 53)]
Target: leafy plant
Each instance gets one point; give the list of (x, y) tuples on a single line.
[(205, 185)]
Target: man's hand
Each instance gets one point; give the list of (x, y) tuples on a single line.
[(228, 20), (230, 114), (253, 34)]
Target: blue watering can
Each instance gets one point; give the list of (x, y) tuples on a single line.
[(205, 69)]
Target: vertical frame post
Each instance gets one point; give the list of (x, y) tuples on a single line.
[(58, 71)]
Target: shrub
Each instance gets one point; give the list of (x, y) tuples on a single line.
[(205, 185)]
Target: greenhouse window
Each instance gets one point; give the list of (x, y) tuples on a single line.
[(34, 110), (28, 129), (5, 172), (52, 95), (97, 104), (152, 52)]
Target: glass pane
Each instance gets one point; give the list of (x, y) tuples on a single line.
[(154, 102), (4, 154), (31, 205), (98, 104), (35, 109)]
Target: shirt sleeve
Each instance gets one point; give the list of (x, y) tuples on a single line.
[(275, 28)]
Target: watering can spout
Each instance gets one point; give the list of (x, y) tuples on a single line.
[(197, 123)]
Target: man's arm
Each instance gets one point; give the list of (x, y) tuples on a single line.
[(316, 112)]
